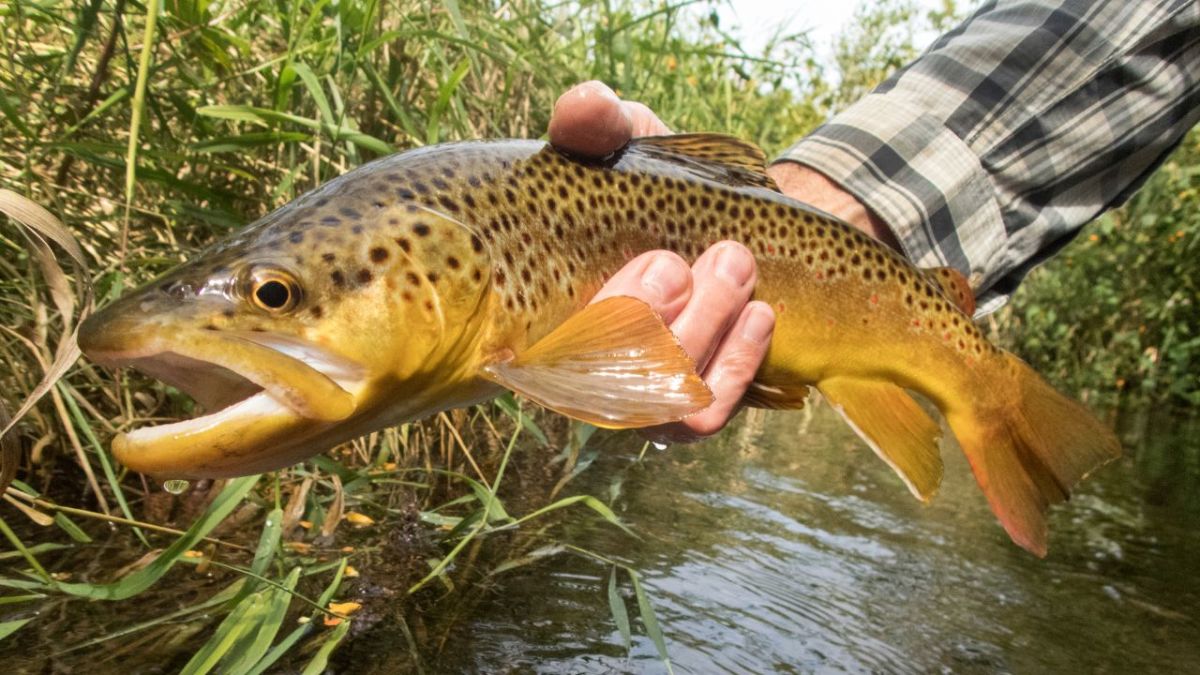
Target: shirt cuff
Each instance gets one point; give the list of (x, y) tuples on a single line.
[(919, 177)]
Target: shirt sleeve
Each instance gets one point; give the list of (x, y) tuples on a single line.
[(991, 150)]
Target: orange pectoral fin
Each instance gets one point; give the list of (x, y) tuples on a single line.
[(895, 427), (614, 364)]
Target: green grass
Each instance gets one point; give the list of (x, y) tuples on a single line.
[(152, 136)]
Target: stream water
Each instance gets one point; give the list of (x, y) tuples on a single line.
[(786, 546)]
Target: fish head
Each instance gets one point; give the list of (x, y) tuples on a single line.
[(295, 337)]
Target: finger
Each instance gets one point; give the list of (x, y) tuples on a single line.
[(730, 372), (645, 122), (724, 277), (661, 279), (590, 120)]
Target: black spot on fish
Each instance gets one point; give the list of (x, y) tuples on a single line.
[(349, 213), (364, 276), (379, 254), (337, 278), (421, 229)]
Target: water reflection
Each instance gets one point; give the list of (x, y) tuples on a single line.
[(772, 550)]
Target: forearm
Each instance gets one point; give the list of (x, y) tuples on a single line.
[(991, 150)]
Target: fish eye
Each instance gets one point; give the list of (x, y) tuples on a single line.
[(274, 291)]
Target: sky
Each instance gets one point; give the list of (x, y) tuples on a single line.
[(759, 19)]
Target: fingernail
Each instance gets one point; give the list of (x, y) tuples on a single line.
[(735, 264), (666, 277), (600, 87), (760, 324)]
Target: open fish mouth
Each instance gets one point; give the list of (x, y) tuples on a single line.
[(264, 395)]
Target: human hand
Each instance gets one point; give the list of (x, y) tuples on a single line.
[(706, 305)]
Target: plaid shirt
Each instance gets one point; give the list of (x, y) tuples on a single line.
[(990, 151)]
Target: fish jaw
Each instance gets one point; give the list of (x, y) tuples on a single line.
[(274, 398), (254, 435)]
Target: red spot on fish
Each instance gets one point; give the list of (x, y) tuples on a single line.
[(917, 323), (771, 249), (874, 298), (818, 275), (946, 335), (782, 307)]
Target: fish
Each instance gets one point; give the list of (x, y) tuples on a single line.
[(442, 276)]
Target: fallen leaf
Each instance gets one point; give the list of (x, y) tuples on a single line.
[(359, 519)]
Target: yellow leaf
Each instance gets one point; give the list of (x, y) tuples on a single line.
[(345, 608), (193, 554), (350, 572), (359, 519)]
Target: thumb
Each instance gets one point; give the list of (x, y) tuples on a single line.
[(590, 120)]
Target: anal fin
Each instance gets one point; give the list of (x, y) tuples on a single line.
[(895, 427), (614, 364)]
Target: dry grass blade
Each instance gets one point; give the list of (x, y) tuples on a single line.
[(10, 451), (41, 225), (333, 516)]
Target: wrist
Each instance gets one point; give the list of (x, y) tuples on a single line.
[(813, 187)]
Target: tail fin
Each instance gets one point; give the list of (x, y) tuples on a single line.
[(1029, 448)]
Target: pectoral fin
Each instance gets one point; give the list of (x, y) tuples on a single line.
[(895, 427), (614, 364)]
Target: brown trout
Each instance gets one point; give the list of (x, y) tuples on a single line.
[(439, 277)]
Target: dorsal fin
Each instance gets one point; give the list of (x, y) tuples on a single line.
[(718, 157), (954, 286)]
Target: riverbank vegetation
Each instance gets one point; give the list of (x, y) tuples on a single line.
[(152, 130)]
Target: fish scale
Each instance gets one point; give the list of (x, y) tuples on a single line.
[(446, 274)]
